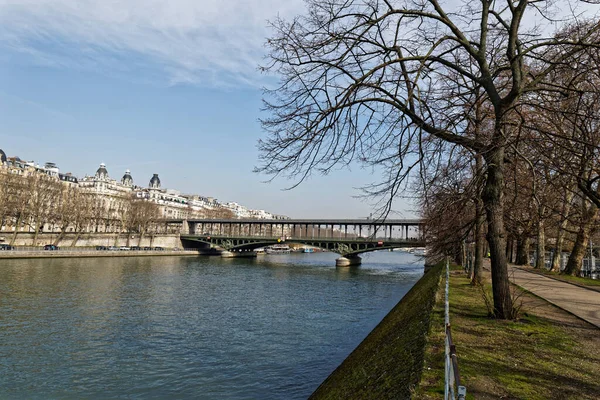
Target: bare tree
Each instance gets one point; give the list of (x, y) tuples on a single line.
[(217, 213), (143, 214), (367, 80), (44, 193), (449, 208), (7, 181), (21, 190), (568, 120), (83, 214)]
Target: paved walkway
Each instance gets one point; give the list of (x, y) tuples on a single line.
[(582, 302)]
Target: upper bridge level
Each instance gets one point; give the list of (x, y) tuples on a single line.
[(314, 228)]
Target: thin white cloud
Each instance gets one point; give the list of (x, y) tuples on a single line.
[(205, 42)]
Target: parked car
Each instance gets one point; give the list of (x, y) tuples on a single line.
[(6, 247), (101, 247), (159, 248), (147, 248), (113, 248), (50, 247), (176, 248), (135, 248), (124, 248)]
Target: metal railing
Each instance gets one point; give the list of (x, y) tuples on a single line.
[(452, 387)]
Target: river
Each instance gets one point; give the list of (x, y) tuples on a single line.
[(188, 327)]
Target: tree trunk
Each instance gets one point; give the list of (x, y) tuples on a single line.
[(540, 261), (574, 264), (479, 242), (556, 256), (560, 237), (76, 238), (37, 231), (60, 235), (493, 198), (479, 231), (14, 236), (523, 244)]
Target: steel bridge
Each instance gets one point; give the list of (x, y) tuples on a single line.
[(347, 237)]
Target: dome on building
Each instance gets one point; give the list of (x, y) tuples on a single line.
[(2, 157), (127, 180), (155, 182), (102, 173)]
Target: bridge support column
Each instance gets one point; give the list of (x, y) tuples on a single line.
[(348, 261)]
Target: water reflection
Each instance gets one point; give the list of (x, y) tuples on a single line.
[(267, 328)]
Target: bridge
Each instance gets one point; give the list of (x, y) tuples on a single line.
[(346, 237)]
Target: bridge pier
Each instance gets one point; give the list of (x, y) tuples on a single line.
[(348, 261), (237, 254)]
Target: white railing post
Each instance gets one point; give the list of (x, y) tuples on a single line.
[(452, 376)]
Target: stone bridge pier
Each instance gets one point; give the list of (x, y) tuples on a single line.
[(348, 261)]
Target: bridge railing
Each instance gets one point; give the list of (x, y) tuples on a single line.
[(310, 237), (452, 384)]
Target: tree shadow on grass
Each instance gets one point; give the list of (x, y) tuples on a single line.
[(531, 383)]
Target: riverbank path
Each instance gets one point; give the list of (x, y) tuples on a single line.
[(581, 302)]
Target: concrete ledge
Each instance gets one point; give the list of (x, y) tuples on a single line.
[(92, 253)]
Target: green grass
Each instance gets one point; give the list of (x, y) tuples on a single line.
[(387, 364), (574, 279), (546, 354)]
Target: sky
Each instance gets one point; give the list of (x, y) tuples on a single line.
[(155, 86), (167, 87)]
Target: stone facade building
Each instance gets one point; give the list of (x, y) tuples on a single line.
[(109, 196)]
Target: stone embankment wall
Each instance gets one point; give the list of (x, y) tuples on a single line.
[(82, 253), (168, 241), (388, 363)]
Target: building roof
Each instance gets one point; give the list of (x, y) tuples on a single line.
[(102, 172), (155, 181), (127, 179)]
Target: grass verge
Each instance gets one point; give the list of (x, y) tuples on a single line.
[(387, 364), (591, 283), (546, 354)]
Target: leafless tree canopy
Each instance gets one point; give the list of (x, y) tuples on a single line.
[(370, 80), (390, 83)]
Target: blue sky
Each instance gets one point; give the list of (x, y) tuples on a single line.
[(155, 87)]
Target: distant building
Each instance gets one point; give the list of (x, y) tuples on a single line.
[(109, 194), (154, 182), (127, 180), (102, 185)]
